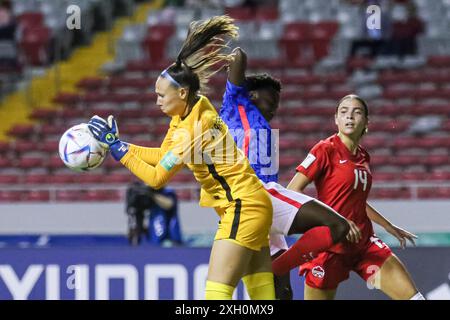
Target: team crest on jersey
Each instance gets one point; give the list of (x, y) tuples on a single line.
[(308, 161), (318, 272)]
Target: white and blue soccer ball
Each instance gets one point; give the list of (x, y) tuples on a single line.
[(79, 150)]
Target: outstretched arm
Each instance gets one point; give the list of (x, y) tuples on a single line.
[(399, 233), (154, 176), (237, 67)]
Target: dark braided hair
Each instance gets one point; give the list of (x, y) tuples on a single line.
[(262, 81)]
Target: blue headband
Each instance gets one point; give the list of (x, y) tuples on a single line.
[(166, 75)]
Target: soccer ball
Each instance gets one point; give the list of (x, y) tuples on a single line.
[(79, 150)]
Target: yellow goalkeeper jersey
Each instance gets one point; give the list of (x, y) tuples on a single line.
[(203, 143)]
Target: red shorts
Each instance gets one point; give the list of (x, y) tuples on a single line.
[(329, 268)]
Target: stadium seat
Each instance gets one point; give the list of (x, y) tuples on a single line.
[(35, 178), (21, 130), (35, 45), (266, 13), (29, 163), (9, 179), (37, 195), (10, 196), (91, 83), (23, 146), (62, 178), (30, 20), (44, 114), (68, 195), (119, 178), (240, 13), (156, 40)]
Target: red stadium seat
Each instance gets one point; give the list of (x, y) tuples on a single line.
[(390, 193), (439, 61), (147, 65), (89, 178), (68, 113), (62, 178), (135, 129), (50, 129), (295, 44), (50, 146), (67, 98), (384, 176), (136, 83), (44, 114), (37, 195), (30, 19), (69, 195), (30, 162), (267, 13), (358, 63), (436, 160), (439, 176), (240, 13), (289, 161), (55, 162), (118, 178), (413, 176), (5, 163), (321, 34), (21, 130), (22, 146), (35, 45), (91, 83), (101, 195), (10, 196), (9, 179), (433, 142), (378, 160), (434, 193), (4, 146), (36, 178), (156, 41), (373, 142)]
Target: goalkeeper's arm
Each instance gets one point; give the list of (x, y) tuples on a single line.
[(150, 156), (155, 176)]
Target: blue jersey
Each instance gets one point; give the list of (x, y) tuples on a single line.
[(251, 132)]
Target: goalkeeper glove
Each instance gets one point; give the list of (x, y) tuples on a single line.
[(107, 133)]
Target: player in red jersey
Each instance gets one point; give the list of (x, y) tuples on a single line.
[(339, 167)]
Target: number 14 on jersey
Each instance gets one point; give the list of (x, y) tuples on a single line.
[(360, 177)]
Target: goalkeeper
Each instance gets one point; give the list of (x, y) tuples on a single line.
[(198, 138)]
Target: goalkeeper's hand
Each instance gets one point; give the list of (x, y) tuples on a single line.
[(107, 133)]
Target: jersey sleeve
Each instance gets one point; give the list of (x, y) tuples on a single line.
[(153, 155), (150, 156), (315, 162), (233, 96), (171, 160)]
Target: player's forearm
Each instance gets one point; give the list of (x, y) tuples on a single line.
[(298, 183), (149, 155), (236, 71), (377, 217), (154, 176)]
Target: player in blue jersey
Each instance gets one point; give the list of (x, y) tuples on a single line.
[(249, 103)]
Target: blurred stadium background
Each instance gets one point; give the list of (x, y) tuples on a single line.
[(52, 219)]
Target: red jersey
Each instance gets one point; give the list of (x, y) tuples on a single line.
[(343, 182)]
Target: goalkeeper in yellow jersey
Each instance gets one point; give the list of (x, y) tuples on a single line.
[(199, 139)]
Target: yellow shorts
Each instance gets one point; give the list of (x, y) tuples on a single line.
[(247, 220)]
